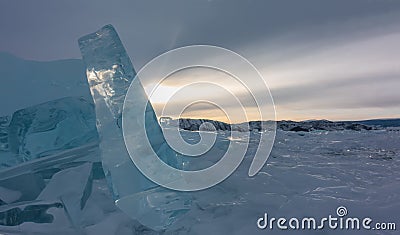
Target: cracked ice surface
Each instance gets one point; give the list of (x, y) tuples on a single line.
[(308, 174)]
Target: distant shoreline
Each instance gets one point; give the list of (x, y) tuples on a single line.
[(286, 125)]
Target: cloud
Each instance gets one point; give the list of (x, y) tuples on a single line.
[(346, 73), (149, 28)]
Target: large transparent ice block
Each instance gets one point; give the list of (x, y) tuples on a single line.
[(47, 128), (110, 73)]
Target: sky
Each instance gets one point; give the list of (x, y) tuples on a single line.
[(337, 60)]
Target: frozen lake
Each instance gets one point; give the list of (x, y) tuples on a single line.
[(307, 175)]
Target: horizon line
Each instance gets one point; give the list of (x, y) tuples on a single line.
[(361, 120)]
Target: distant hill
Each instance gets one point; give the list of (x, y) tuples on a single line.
[(381, 122)]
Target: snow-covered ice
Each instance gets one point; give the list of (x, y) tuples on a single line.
[(308, 174)]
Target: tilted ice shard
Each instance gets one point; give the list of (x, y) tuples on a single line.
[(49, 195), (24, 187), (73, 193), (110, 73)]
